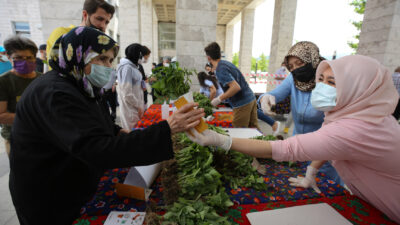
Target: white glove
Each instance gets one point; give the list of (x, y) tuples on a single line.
[(210, 138), (267, 101), (209, 118), (308, 181), (216, 101)]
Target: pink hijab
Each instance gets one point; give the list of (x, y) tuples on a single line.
[(365, 89)]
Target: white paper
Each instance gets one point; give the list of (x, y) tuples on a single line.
[(258, 88), (189, 96), (243, 132), (142, 176), (125, 218), (315, 214)]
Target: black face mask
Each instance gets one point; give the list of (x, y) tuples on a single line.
[(211, 73), (89, 24), (305, 73)]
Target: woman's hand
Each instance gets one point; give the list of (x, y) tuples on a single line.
[(308, 181), (210, 138), (185, 118)]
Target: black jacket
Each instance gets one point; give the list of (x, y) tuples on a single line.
[(61, 143)]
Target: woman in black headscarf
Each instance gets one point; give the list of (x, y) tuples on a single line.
[(63, 140)]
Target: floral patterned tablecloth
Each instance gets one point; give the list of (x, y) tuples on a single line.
[(153, 115)]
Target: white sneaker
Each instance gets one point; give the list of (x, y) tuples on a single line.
[(278, 128)]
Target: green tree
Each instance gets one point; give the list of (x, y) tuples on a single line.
[(253, 64), (263, 63), (359, 7), (235, 59)]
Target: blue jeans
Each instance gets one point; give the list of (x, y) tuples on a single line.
[(331, 173), (265, 118)]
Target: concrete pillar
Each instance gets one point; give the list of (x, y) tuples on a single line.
[(221, 29), (146, 29), (129, 23), (154, 50), (196, 22), (282, 32), (380, 32), (246, 40), (229, 42)]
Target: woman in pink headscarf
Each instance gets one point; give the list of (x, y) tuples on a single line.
[(359, 134)]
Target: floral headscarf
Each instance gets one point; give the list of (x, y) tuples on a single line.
[(74, 50), (308, 52)]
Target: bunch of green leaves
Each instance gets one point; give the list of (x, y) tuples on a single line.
[(236, 170), (265, 138), (196, 175), (171, 82), (193, 212), (204, 103)]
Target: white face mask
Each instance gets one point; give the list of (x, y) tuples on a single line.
[(323, 97), (144, 61), (140, 61), (166, 64), (4, 58)]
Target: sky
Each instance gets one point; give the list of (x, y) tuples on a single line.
[(327, 23)]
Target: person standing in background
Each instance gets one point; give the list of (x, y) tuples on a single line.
[(40, 62), (396, 81), (236, 91), (22, 53), (130, 92), (95, 13), (5, 64), (209, 86), (146, 54)]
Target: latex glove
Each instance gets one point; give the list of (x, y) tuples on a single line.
[(267, 101), (308, 181), (209, 118), (216, 101), (210, 138)]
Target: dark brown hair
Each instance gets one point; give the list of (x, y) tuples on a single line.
[(213, 50), (145, 50), (91, 6), (19, 43), (397, 70), (203, 76)]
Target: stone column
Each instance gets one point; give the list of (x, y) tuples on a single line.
[(146, 29), (282, 32), (154, 50), (246, 40), (221, 29), (129, 23), (196, 22), (380, 32), (229, 42)]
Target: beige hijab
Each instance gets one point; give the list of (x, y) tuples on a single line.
[(365, 89), (308, 52)]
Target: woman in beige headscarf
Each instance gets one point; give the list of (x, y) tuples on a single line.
[(359, 133)]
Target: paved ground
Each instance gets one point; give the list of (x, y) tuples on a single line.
[(7, 211)]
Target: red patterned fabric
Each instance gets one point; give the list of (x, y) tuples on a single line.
[(153, 115), (351, 207)]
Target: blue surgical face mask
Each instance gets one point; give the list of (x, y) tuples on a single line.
[(99, 75), (323, 97)]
